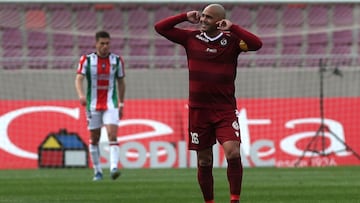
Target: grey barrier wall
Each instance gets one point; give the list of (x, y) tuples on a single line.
[(173, 83)]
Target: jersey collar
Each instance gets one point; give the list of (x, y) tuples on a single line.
[(213, 38)]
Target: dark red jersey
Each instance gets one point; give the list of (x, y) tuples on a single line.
[(212, 62)]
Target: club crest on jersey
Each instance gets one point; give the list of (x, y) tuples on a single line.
[(223, 42), (235, 125)]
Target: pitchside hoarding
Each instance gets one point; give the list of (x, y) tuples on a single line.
[(153, 133)]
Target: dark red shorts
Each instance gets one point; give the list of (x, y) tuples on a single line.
[(207, 125)]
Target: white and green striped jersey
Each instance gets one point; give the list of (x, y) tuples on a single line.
[(101, 74)]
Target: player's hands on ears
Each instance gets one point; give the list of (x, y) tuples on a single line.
[(224, 24), (193, 17)]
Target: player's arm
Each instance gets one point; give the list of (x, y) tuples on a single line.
[(248, 40), (166, 28), (79, 88), (121, 93)]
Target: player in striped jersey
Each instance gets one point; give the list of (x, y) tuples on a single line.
[(212, 53), (104, 99)]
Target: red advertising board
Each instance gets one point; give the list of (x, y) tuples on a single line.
[(278, 132)]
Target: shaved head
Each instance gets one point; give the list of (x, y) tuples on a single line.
[(216, 9)]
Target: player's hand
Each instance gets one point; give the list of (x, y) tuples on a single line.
[(121, 114), (224, 24), (82, 100), (193, 17)]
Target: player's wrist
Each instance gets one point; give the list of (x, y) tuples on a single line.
[(121, 104)]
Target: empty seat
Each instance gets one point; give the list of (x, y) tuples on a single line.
[(113, 22), (35, 19), (314, 53), (292, 19), (292, 50), (37, 54), (37, 58), (342, 37), (318, 16), (10, 18), (37, 40), (139, 52), (342, 47), (61, 20), (164, 53), (341, 54), (12, 37), (80, 6), (242, 16), (55, 6), (138, 21), (244, 60), (86, 44), (139, 47), (316, 49), (63, 40), (118, 45), (86, 21), (343, 14), (164, 47), (317, 38), (291, 56), (162, 13), (12, 58), (266, 20), (266, 56), (63, 51), (290, 40)]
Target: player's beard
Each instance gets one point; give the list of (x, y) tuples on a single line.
[(204, 27), (104, 52)]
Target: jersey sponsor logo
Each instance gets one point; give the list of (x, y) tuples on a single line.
[(211, 50), (102, 87)]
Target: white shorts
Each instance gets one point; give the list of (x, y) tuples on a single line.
[(96, 119)]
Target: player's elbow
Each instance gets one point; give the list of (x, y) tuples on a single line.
[(256, 45), (157, 28)]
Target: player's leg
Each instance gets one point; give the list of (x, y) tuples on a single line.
[(94, 126), (201, 139), (234, 169), (111, 119), (228, 134), (204, 174)]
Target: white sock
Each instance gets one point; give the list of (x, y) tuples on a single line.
[(95, 157), (114, 155)]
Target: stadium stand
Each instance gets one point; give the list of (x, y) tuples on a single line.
[(267, 20), (86, 21), (292, 19), (63, 51), (61, 20), (294, 35), (37, 44)]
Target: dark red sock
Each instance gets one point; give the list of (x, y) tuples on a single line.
[(206, 182), (234, 175)]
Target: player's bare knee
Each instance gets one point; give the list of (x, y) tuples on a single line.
[(205, 162)]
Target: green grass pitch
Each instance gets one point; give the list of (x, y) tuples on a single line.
[(270, 185)]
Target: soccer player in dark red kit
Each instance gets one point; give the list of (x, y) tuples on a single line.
[(212, 53)]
